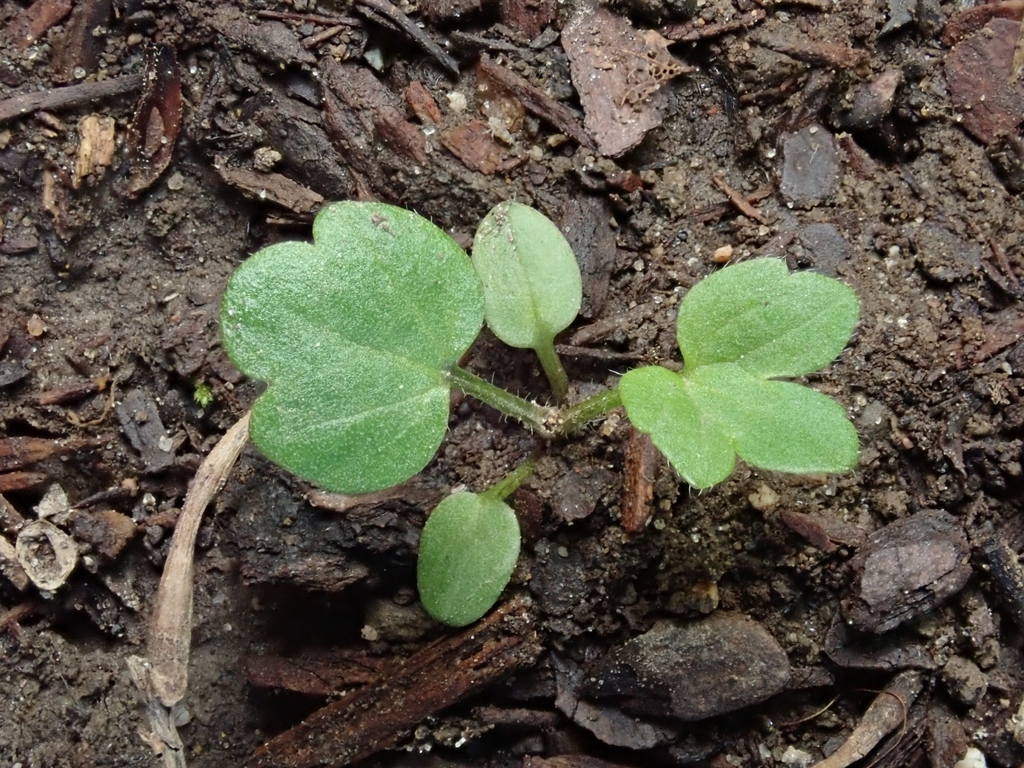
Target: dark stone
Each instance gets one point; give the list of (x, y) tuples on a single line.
[(810, 167), (907, 569), (696, 670)]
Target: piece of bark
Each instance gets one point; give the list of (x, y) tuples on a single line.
[(978, 75), (293, 129), (141, 423), (817, 53), (379, 716), (970, 20), (617, 72), (641, 464), (688, 32), (274, 187), (272, 40), (66, 97), (606, 721), (80, 47), (69, 393), (906, 569), (422, 104), (585, 222), (534, 100), (95, 147), (472, 143), (693, 670), (321, 675), (18, 452), (320, 572), (32, 23), (21, 481)]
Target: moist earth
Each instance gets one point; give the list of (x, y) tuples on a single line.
[(752, 624)]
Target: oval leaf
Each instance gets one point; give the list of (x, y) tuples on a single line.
[(468, 551), (771, 322), (353, 333), (532, 284)]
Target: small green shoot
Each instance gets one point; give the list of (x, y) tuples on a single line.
[(532, 284), (203, 395), (354, 334), (738, 330)]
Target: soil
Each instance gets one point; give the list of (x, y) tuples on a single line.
[(877, 145)]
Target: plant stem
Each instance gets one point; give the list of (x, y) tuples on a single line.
[(508, 484), (553, 369), (589, 409), (531, 414)]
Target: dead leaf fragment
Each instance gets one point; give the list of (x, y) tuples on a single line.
[(157, 120), (618, 72)]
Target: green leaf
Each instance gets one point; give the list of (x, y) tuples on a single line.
[(353, 333), (660, 403), (532, 284), (738, 330), (468, 551), (771, 322)]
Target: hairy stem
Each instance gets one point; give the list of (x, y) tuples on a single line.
[(588, 410), (536, 416), (508, 484), (553, 369)]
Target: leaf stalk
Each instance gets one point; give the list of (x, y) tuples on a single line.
[(533, 415)]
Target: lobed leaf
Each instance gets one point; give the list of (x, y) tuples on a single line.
[(353, 334), (468, 550), (737, 330), (771, 322), (532, 285)]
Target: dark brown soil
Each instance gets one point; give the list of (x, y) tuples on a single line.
[(841, 123)]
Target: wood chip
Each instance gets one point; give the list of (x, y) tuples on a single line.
[(272, 187), (379, 716), (32, 23), (641, 464), (534, 100), (472, 143), (95, 146), (18, 452), (66, 97)]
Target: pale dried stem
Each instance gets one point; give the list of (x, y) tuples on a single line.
[(162, 678)]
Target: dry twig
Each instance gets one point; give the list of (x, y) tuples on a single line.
[(162, 677)]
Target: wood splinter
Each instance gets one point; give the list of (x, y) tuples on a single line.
[(380, 715)]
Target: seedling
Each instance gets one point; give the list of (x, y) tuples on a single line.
[(358, 335)]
